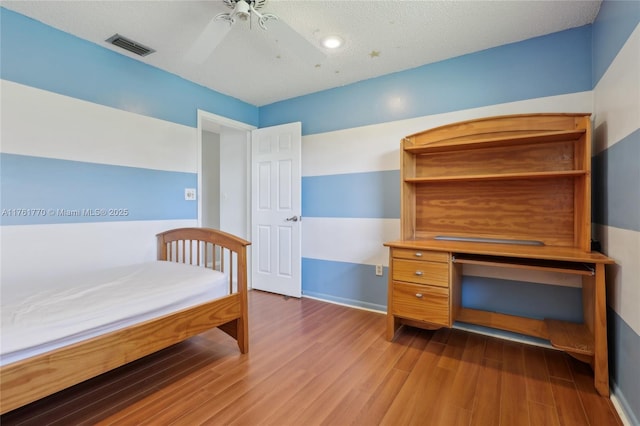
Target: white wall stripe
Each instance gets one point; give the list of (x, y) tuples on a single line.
[(617, 114), (361, 241), (349, 240), (45, 124), (623, 278), (376, 147), (31, 252), (617, 96)]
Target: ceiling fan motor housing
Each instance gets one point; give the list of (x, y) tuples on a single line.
[(257, 4)]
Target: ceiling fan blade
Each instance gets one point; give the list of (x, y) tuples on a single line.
[(212, 35), (294, 42)]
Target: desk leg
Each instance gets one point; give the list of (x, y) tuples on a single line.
[(392, 322), (595, 316)]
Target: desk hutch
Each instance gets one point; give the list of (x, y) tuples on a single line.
[(506, 192)]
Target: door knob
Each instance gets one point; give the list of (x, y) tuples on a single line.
[(292, 219)]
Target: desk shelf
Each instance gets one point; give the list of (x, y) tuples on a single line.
[(498, 176), (570, 337), (522, 177)]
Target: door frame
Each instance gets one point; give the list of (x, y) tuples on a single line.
[(208, 121)]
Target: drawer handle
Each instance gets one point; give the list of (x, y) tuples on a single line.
[(419, 295), (418, 254), (419, 273)]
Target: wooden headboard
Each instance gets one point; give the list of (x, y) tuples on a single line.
[(209, 248)]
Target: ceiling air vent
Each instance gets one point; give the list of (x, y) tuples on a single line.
[(129, 45)]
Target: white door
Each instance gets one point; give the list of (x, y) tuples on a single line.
[(276, 209)]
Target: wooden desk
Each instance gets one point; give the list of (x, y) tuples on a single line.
[(425, 280)]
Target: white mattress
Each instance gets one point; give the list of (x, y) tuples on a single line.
[(76, 308)]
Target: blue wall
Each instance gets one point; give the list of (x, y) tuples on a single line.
[(61, 63), (613, 170), (36, 190), (544, 66), (551, 65), (616, 193), (563, 63), (371, 194), (64, 64)]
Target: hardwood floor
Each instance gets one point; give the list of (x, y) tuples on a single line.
[(314, 363)]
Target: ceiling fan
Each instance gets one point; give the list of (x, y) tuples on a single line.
[(246, 10), (242, 9)]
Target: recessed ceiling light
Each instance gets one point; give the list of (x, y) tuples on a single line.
[(332, 42)]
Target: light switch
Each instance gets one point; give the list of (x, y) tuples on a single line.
[(190, 194)]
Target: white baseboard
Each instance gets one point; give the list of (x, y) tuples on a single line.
[(618, 406)]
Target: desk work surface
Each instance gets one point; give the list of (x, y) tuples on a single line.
[(567, 254)]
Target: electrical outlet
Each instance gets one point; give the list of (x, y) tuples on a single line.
[(379, 270), (190, 194)]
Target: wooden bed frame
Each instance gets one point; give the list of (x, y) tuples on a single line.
[(28, 380)]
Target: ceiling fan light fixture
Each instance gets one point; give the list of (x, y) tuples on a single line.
[(332, 42), (241, 10)]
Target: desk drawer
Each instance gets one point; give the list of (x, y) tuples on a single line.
[(420, 272), (422, 303), (433, 256)]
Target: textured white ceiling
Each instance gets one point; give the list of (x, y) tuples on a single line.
[(251, 67)]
